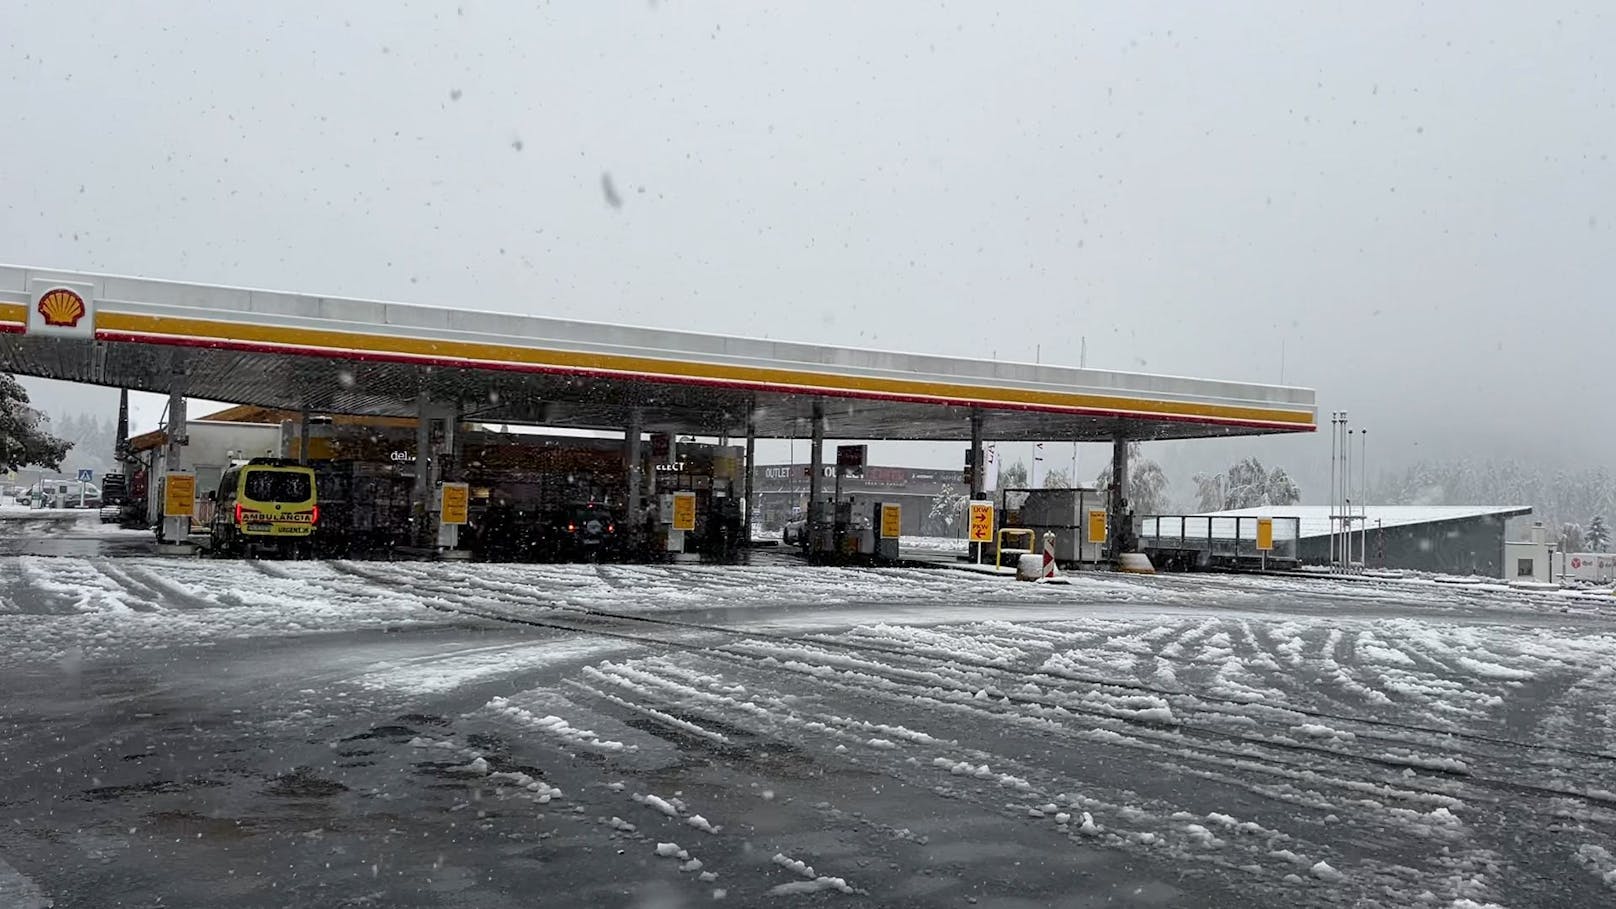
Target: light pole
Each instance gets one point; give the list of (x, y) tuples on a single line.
[(1335, 419), (1363, 449)]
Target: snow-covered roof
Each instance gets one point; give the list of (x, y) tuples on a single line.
[(1315, 519)]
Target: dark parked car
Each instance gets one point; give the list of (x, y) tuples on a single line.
[(589, 533)]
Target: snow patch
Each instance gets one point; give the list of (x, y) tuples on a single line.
[(1324, 872), (657, 803), (700, 823)]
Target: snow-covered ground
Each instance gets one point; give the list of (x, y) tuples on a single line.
[(1298, 741), (947, 545)]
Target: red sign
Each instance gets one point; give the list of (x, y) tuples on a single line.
[(1576, 563)]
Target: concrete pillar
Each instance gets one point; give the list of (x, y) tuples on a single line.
[(816, 465), (978, 469), (446, 461), (1118, 506), (978, 473), (751, 468), (177, 529), (632, 459), (422, 493), (303, 437)]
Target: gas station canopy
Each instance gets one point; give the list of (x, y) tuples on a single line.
[(345, 356)]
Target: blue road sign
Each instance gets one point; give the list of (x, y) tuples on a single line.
[(86, 474)]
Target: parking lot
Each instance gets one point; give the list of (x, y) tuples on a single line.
[(436, 734)]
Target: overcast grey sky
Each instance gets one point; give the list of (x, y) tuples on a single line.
[(1413, 201)]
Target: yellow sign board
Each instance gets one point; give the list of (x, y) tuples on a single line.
[(454, 503), (1265, 534), (891, 522), (684, 511), (981, 522), (179, 495), (1097, 526)]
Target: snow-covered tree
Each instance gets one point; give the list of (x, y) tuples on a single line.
[(1013, 476), (1147, 487), (1246, 484), (1571, 539), (25, 439), (1555, 496), (948, 509), (1281, 489), (1059, 478), (1597, 535), (1147, 483), (1209, 492)]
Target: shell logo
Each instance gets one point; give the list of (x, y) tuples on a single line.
[(62, 308)]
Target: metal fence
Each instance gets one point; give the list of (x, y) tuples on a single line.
[(1221, 537)]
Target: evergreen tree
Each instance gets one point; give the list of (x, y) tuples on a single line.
[(1597, 535)]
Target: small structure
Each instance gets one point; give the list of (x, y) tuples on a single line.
[(1448, 539), (1530, 560)]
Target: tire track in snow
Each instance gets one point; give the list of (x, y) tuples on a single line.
[(572, 619)]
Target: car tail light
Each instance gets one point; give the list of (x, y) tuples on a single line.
[(611, 528), (238, 512), (571, 528), (314, 516)]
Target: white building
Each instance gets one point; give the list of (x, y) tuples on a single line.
[(1531, 559)]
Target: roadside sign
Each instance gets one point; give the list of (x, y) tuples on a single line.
[(86, 474), (891, 522), (1265, 534), (981, 522), (1097, 526), (454, 503), (684, 511), (852, 455), (661, 447), (179, 495)]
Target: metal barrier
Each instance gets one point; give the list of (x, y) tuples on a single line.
[(1224, 539), (1031, 537)]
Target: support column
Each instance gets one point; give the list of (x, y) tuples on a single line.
[(751, 469), (636, 485), (446, 461), (422, 493), (816, 466), (978, 469), (303, 437), (1118, 506), (120, 451), (978, 474), (176, 529)]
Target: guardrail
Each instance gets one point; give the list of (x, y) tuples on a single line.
[(1220, 537)]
